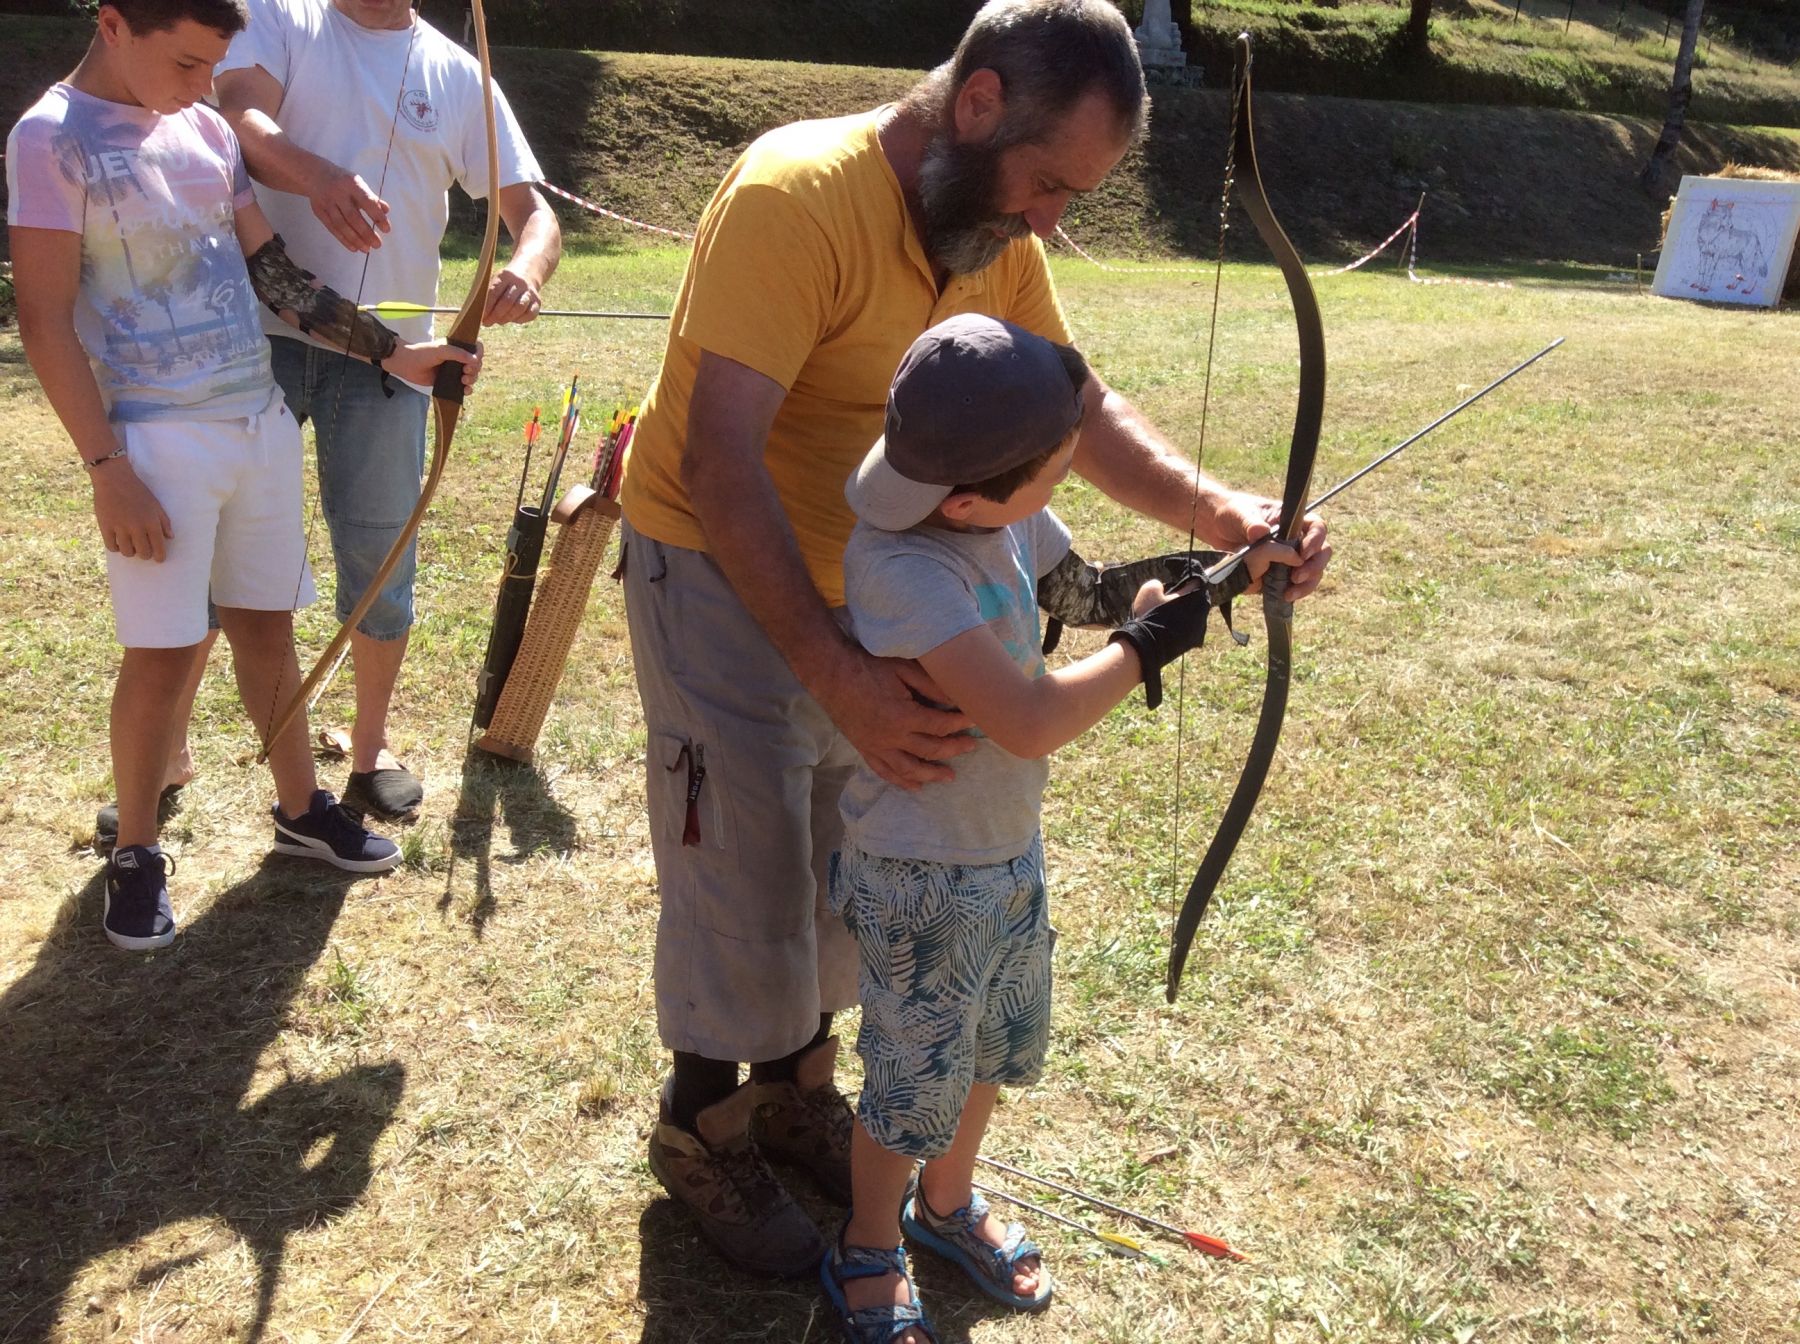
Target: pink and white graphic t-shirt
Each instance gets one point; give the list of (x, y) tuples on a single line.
[(165, 309)]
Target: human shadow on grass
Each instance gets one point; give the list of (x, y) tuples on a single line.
[(691, 1295), (492, 789), (130, 1099)]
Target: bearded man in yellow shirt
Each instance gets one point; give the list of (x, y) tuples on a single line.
[(830, 246)]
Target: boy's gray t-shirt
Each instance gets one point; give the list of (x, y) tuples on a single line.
[(908, 593)]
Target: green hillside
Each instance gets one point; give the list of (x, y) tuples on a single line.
[(1585, 55), (650, 136), (1590, 55)]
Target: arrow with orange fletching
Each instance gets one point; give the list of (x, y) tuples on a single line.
[(1200, 1241), (1118, 1241)]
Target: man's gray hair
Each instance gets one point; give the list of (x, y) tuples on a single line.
[(1049, 54)]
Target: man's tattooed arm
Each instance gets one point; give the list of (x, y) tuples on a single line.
[(322, 311)]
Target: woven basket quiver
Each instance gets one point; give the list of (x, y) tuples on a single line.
[(586, 520)]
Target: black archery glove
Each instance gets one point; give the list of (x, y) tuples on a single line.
[(1163, 634)]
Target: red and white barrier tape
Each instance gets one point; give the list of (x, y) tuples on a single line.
[(1413, 275), (1092, 260), (1081, 252), (1411, 248), (1408, 223), (615, 215)]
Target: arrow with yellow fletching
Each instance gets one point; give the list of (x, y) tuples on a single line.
[(396, 308), (1200, 1241), (1117, 1240)]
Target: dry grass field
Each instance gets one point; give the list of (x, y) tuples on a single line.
[(1494, 1034)]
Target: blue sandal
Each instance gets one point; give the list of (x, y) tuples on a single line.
[(871, 1325), (990, 1267)]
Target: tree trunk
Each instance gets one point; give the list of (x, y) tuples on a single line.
[(1681, 92), (1182, 11), (1418, 28)]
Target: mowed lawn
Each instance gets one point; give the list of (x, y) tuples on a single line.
[(1493, 1034)]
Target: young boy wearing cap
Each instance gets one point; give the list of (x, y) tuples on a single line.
[(943, 886)]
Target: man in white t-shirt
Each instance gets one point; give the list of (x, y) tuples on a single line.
[(356, 117)]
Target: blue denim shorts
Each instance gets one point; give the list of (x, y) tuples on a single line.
[(371, 455), (954, 971)]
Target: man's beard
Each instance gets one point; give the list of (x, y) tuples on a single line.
[(956, 198)]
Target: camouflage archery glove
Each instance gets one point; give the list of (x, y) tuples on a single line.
[(1080, 593), (322, 312)]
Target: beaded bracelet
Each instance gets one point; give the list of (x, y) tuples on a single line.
[(102, 461)]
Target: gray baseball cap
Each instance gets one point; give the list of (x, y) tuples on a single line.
[(973, 397)]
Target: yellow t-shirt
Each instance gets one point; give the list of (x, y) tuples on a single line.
[(807, 269)]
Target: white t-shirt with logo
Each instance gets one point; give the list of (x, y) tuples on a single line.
[(340, 82)]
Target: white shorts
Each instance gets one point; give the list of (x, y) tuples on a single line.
[(233, 493)]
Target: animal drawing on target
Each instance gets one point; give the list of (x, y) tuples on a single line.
[(1730, 240), (1723, 246)]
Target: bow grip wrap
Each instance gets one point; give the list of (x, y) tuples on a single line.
[(447, 385), (1274, 593)]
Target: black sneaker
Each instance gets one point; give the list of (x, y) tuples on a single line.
[(138, 915), (330, 831)]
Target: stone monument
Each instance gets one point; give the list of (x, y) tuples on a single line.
[(1158, 39)]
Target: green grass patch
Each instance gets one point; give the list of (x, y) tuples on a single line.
[(1488, 1035)]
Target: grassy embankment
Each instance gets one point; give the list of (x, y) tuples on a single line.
[(650, 136), (1598, 55)]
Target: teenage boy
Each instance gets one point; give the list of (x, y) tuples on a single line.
[(943, 887), (139, 254)]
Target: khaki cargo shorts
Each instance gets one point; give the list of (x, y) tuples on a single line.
[(743, 774)]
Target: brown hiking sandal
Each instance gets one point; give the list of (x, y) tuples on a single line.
[(808, 1122), (747, 1215)]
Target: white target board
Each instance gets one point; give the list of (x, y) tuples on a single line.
[(1729, 241)]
